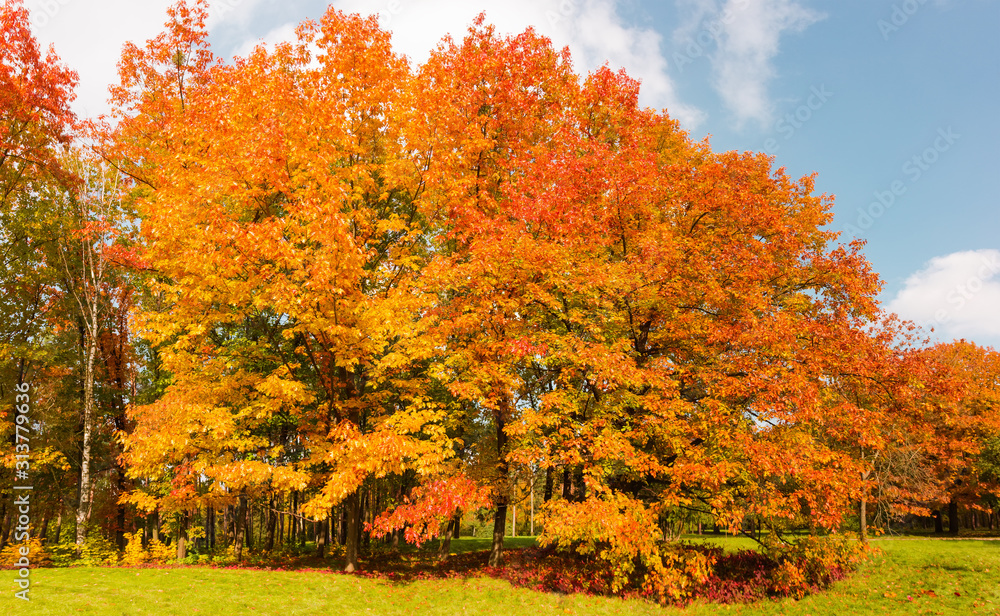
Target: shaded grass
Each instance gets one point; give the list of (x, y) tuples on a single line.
[(908, 577)]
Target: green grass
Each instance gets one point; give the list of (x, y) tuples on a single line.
[(909, 577)]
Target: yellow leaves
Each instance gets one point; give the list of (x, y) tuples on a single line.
[(142, 500), (283, 390), (243, 474), (390, 448)]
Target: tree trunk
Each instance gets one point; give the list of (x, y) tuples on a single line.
[(365, 505), (352, 511), (249, 523), (503, 470), (332, 537), (302, 529), (863, 520), (579, 486), (547, 495), (83, 509), (293, 524), (319, 533), (953, 517), (155, 519), (238, 520), (281, 527), (444, 550), (120, 526), (45, 527), (182, 535), (863, 509), (122, 483), (938, 524), (55, 540), (5, 521), (210, 531), (272, 523), (342, 527), (499, 526)]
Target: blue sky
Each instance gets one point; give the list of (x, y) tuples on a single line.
[(892, 102)]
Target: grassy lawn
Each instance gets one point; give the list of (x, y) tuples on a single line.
[(909, 577)]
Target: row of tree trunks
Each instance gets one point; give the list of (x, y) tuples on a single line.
[(344, 526)]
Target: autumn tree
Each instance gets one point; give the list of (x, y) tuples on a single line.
[(279, 217), (35, 125), (487, 106), (955, 416), (688, 308), (683, 312), (928, 413)]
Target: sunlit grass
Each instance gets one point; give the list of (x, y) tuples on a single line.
[(908, 577)]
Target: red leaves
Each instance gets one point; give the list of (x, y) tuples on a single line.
[(428, 506), (35, 93)]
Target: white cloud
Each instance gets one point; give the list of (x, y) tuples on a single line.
[(88, 37), (238, 12), (746, 36), (957, 294), (696, 16), (281, 34), (592, 29)]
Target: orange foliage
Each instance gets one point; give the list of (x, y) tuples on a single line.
[(349, 250)]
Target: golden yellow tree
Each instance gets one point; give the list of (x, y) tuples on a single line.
[(280, 220)]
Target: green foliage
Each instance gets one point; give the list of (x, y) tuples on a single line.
[(62, 554), (98, 551)]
